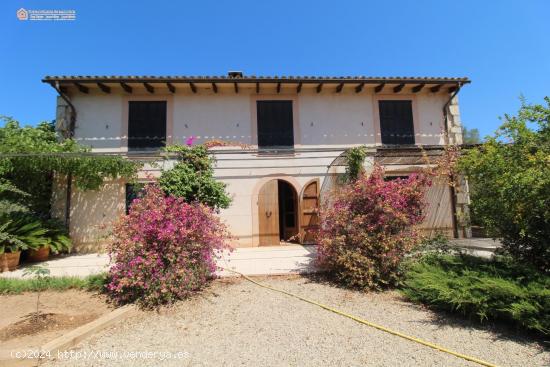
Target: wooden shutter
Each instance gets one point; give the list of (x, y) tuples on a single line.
[(275, 125), (396, 122), (309, 221), (268, 214), (439, 212), (146, 124)]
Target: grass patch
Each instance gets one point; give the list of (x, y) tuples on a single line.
[(17, 286), (487, 290)]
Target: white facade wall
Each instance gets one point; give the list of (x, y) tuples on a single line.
[(324, 120)]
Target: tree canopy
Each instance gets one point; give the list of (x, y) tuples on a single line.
[(192, 177), (470, 136), (29, 157), (510, 183)]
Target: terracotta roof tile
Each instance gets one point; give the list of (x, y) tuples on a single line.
[(249, 79)]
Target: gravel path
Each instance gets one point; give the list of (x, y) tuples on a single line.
[(235, 323)]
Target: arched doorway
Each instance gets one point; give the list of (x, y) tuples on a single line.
[(278, 213)]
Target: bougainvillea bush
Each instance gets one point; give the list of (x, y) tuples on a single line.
[(164, 249), (368, 227)]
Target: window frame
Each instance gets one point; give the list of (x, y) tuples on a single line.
[(287, 136), (376, 116), (125, 116), (151, 144), (137, 194), (295, 121)]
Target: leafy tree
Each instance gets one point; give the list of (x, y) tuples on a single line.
[(510, 178), (30, 156), (192, 177), (42, 275), (470, 136)]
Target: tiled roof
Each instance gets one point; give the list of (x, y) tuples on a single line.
[(250, 79)]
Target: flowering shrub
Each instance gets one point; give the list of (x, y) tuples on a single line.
[(367, 228), (163, 250)]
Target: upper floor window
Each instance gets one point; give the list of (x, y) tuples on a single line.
[(146, 124), (275, 124), (396, 122)]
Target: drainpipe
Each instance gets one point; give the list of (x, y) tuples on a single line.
[(453, 191), (69, 135)]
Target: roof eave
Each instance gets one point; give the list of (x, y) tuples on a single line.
[(251, 80)]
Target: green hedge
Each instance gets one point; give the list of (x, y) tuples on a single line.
[(488, 290), (16, 286)]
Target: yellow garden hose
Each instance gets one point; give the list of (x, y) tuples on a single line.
[(368, 323)]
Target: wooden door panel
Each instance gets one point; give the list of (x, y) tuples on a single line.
[(439, 214), (309, 221), (268, 213)]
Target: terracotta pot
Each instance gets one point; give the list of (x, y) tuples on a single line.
[(41, 254), (9, 261)]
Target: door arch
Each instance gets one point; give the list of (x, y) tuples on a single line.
[(278, 212)]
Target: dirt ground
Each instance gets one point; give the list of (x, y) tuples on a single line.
[(21, 328), (236, 323)]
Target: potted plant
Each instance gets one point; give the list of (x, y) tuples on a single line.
[(56, 241), (17, 234)]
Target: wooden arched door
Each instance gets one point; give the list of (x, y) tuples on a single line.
[(268, 214), (309, 216)]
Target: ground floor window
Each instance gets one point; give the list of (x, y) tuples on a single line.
[(133, 191), (392, 177)]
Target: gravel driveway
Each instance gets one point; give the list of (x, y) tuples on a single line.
[(236, 323)]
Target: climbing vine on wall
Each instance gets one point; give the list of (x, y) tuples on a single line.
[(355, 157), (31, 155)]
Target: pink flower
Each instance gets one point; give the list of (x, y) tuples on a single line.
[(368, 227), (163, 249), (189, 141)]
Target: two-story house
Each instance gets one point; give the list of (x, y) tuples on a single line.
[(295, 131)]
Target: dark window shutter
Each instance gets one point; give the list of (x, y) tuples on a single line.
[(396, 122), (146, 124), (275, 125)]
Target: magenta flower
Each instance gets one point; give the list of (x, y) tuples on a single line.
[(189, 141), (369, 226), (163, 250)]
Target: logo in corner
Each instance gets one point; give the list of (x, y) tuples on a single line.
[(22, 14)]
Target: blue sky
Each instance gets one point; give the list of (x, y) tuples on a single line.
[(503, 46)]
